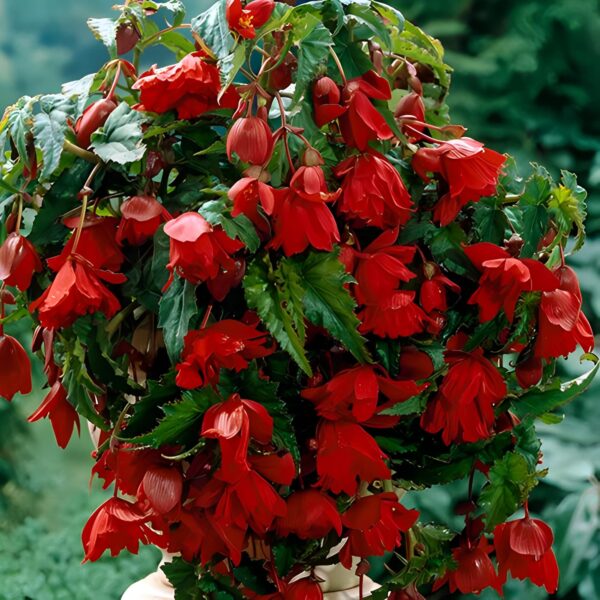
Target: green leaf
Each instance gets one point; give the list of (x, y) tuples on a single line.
[(412, 406), (182, 420), (535, 223), (184, 578), (230, 66), (446, 247), (328, 303), (278, 305), (20, 121), (284, 558), (120, 140), (58, 200), (216, 212), (212, 27), (79, 89), (536, 402), (49, 127), (313, 41), (490, 222), (390, 13), (176, 310), (364, 15), (509, 481), (567, 206), (356, 62), (105, 30)]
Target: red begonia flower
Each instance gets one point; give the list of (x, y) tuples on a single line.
[(408, 593), (362, 122), (432, 294), (299, 224), (463, 408), (247, 195), (303, 589), (309, 184), (411, 107), (198, 251), (115, 525), (77, 290), (374, 526), (474, 571), (227, 344), (373, 191), (251, 139), (529, 371), (311, 515), (162, 486), (60, 411), (97, 244), (470, 170), (274, 467), (141, 216), (561, 322), (415, 364), (504, 278), (191, 87), (15, 367), (354, 394), (18, 261), (326, 101), (233, 423), (249, 502), (345, 452), (246, 20), (524, 548)]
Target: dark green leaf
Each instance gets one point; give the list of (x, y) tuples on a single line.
[(212, 27), (216, 212), (328, 303), (184, 578), (177, 308)]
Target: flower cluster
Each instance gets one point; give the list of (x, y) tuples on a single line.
[(288, 291)]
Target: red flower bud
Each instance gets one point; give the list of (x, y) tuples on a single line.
[(326, 100), (529, 372), (281, 77), (18, 261), (93, 117), (303, 589), (251, 139), (127, 38), (15, 368)]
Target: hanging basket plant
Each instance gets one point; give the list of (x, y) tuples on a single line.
[(291, 295)]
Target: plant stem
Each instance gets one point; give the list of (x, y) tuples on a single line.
[(86, 193), (80, 152), (338, 64)]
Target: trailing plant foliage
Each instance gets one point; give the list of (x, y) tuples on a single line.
[(283, 284)]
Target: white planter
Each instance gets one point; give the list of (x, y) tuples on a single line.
[(339, 584)]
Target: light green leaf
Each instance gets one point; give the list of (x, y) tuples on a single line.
[(120, 140), (49, 127), (177, 308), (105, 30), (20, 121), (212, 27)]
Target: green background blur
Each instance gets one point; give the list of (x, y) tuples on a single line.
[(527, 82)]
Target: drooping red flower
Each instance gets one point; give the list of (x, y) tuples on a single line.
[(373, 191), (303, 589), (162, 487), (246, 20), (411, 108), (191, 87), (299, 223), (326, 101), (529, 371), (475, 570), (77, 290), (60, 411), (97, 243), (433, 292), (18, 261), (15, 367), (247, 195), (198, 251), (141, 216), (362, 122), (251, 139), (233, 423), (415, 364), (463, 408), (354, 394), (470, 170), (524, 548), (345, 452), (380, 270), (310, 515), (561, 322), (309, 184), (374, 526), (227, 344), (504, 278), (278, 468), (116, 524)]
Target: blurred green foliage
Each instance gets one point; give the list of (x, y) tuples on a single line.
[(525, 82)]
